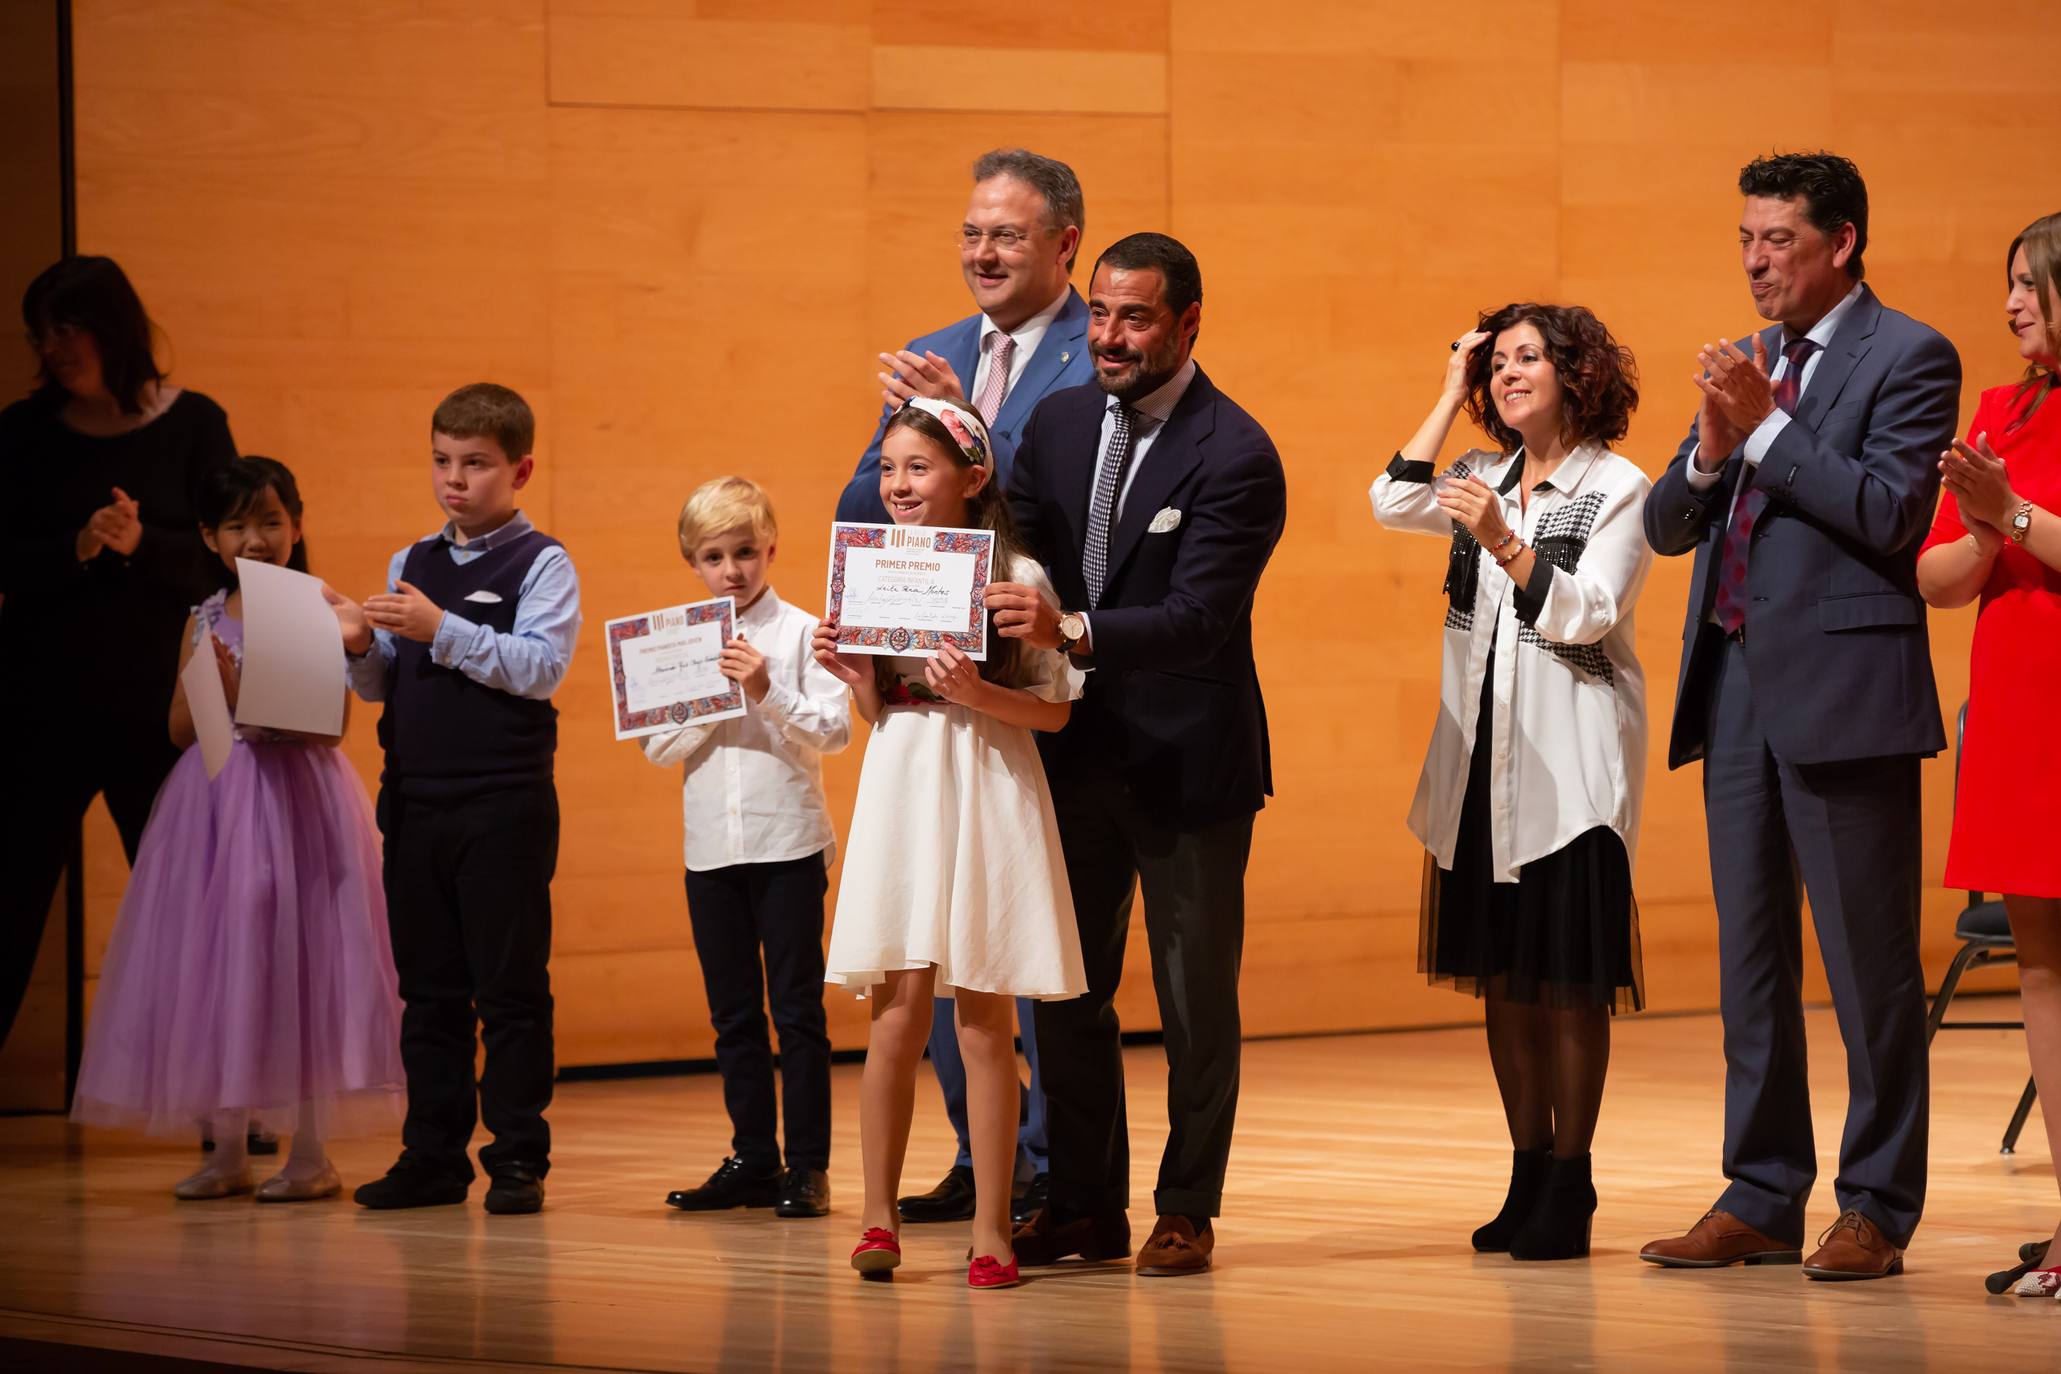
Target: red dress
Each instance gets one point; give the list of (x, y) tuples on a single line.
[(2012, 747)]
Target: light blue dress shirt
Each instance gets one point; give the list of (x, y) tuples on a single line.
[(530, 661)]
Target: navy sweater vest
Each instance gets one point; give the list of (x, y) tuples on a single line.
[(442, 731)]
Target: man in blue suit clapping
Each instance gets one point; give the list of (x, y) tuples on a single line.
[(1028, 339)]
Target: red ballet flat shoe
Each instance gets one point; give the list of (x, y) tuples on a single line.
[(984, 1272), (877, 1253)]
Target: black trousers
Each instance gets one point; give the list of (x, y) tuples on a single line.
[(737, 912), (1851, 832), (47, 791), (1194, 887), (468, 898)]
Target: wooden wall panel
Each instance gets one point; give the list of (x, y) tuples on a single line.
[(684, 229)]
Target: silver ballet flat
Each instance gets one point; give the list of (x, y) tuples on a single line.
[(280, 1188), (209, 1184)]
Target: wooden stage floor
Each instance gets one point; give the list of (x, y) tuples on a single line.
[(1361, 1165)]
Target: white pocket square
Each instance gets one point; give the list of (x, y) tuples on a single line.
[(485, 598), (1167, 519)]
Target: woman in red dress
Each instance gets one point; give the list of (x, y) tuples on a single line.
[(1998, 536)]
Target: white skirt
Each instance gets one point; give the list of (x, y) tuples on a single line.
[(954, 861)]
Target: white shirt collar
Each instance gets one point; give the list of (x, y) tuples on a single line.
[(1031, 332), (761, 611), (1821, 333), (1159, 404), (514, 526)]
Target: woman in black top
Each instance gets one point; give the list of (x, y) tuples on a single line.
[(100, 561)]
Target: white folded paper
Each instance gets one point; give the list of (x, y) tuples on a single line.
[(293, 654), (208, 704)]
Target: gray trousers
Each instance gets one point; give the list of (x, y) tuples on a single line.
[(1849, 835)]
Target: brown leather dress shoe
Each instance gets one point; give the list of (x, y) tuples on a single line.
[(1046, 1240), (1176, 1248), (1718, 1240), (1852, 1248)]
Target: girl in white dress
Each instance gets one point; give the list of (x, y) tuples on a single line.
[(954, 878)]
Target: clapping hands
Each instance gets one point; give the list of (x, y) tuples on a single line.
[(117, 525)]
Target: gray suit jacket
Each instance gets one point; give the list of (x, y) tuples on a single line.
[(1835, 629)]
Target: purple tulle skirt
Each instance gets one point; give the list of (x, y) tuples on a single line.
[(249, 970)]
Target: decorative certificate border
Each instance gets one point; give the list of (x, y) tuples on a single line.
[(912, 643), (629, 724)]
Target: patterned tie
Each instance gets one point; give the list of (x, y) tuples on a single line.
[(1730, 609), (1001, 348), (1102, 509)]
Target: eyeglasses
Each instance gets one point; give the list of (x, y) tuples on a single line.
[(1005, 239)]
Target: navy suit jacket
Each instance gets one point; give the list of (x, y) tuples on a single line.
[(1061, 361), (1173, 703), (1835, 629)]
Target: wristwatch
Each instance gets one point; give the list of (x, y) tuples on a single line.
[(2020, 524), (1072, 630)]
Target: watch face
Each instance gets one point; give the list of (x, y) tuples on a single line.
[(2022, 520), (1070, 625)]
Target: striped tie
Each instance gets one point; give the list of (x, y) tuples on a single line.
[(1116, 461), (1730, 608), (1001, 348)]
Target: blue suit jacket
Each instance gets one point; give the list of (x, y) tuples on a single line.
[(1061, 361), (1835, 629), (1173, 705)]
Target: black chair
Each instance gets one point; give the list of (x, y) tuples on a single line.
[(1984, 931)]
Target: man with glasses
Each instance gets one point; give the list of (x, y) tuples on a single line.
[(1028, 340), (1030, 335)]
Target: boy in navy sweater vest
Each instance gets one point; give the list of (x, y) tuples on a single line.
[(466, 646)]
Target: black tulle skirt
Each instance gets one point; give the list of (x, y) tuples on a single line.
[(1564, 935)]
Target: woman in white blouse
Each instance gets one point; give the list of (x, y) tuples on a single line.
[(1529, 801)]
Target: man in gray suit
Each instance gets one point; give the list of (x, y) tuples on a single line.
[(1804, 489)]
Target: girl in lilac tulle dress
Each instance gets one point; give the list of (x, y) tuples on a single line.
[(249, 981)]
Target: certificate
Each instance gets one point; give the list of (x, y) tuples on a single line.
[(909, 589), (664, 668), (293, 654)]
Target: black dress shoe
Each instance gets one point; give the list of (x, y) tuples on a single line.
[(951, 1200), (1031, 1200), (411, 1183), (803, 1193), (731, 1185), (516, 1189)]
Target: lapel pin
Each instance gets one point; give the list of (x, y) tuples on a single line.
[(1066, 357)]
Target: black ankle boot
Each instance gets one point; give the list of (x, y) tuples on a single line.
[(1527, 1176), (1558, 1227)]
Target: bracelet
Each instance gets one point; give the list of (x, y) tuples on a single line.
[(1508, 535), (1515, 554)]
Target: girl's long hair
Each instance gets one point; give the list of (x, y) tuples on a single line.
[(236, 487), (988, 510)]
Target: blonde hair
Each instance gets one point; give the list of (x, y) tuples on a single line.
[(722, 505)]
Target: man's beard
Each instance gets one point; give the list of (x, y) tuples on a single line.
[(1150, 372)]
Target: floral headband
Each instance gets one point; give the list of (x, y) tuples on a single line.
[(967, 429)]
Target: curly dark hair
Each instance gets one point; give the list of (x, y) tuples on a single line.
[(1598, 375), (1832, 190)]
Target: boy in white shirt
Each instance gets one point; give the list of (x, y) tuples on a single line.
[(759, 841)]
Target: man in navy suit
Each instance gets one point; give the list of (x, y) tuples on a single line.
[(1016, 247), (1155, 503), (1804, 489)]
